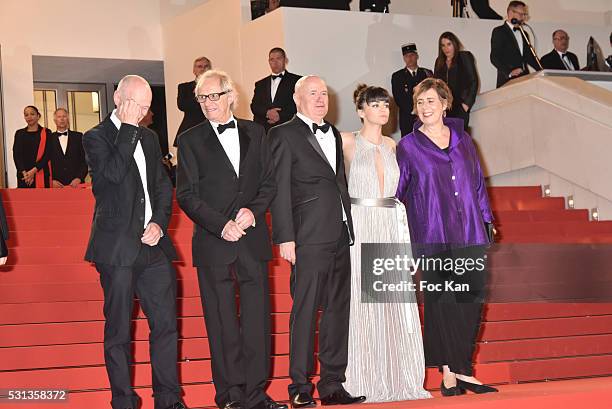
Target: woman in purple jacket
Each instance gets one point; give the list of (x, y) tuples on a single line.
[(443, 189)]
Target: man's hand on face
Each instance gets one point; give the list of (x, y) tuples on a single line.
[(129, 112)]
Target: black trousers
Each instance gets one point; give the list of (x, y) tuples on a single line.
[(321, 278), (239, 346), (153, 279), (452, 318)]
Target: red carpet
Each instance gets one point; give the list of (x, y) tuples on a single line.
[(51, 320)]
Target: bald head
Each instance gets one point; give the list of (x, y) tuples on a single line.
[(132, 83), (134, 88), (311, 98)]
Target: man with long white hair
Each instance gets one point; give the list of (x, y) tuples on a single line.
[(225, 183)]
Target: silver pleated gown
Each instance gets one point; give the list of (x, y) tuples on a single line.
[(385, 352)]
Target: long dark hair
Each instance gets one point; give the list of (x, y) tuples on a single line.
[(457, 46)]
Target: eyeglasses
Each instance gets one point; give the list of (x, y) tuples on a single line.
[(215, 96)]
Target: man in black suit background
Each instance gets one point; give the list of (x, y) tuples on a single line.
[(272, 102), (559, 58), (311, 220), (510, 53), (225, 182), (185, 98), (67, 157), (402, 86), (129, 244)]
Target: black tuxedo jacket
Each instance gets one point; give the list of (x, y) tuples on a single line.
[(120, 204), (186, 102), (506, 55), (70, 165), (307, 208), (552, 61), (211, 194), (283, 99)]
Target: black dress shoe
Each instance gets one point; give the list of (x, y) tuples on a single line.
[(474, 387), (272, 404), (341, 397), (452, 391), (233, 404), (303, 400)]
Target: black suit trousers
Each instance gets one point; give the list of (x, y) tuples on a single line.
[(239, 347), (321, 278), (153, 279)]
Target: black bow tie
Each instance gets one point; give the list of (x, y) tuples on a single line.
[(515, 29), (62, 133), (277, 76), (563, 55), (324, 128), (222, 127)]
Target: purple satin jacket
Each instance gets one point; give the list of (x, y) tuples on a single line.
[(444, 194)]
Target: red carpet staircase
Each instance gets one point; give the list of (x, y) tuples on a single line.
[(51, 321)]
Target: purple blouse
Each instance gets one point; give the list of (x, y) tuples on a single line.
[(444, 193)]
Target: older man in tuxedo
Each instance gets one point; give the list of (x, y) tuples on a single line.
[(66, 156), (130, 246), (510, 53), (185, 99), (560, 58), (311, 219), (273, 97), (225, 182)]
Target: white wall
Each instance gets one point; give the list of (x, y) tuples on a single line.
[(347, 48), (98, 29)]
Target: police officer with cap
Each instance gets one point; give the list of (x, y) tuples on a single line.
[(402, 84)]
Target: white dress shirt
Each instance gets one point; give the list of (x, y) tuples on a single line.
[(141, 163), (517, 35), (274, 83), (63, 140), (230, 142), (566, 61), (327, 142)]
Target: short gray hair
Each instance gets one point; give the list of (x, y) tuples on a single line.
[(226, 82), (202, 58)]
